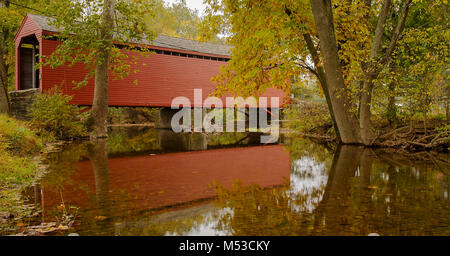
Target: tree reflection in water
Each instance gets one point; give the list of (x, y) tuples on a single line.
[(362, 195), (98, 156)]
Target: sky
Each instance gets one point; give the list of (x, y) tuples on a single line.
[(193, 4)]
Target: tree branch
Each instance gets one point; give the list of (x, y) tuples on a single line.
[(397, 32), (379, 29), (310, 69)]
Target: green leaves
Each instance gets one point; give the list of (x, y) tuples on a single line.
[(80, 27)]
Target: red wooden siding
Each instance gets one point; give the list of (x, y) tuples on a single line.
[(160, 79)]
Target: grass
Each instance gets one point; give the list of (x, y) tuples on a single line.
[(18, 144), (17, 138)]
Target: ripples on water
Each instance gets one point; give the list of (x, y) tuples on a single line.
[(154, 182)]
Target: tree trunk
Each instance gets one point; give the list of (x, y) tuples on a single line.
[(364, 112), (320, 73), (376, 65), (4, 101), (447, 106), (100, 104), (371, 74), (346, 122), (4, 81)]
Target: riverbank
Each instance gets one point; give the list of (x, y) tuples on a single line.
[(405, 138), (412, 134), (19, 156)]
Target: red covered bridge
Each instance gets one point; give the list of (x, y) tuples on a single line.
[(178, 67)]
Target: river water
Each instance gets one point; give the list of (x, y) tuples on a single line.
[(145, 181)]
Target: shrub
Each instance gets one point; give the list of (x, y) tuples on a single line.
[(52, 115), (309, 117)]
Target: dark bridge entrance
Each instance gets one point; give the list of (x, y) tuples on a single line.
[(28, 58)]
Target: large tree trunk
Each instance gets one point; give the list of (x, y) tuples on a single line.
[(100, 104), (346, 122), (320, 73), (4, 101)]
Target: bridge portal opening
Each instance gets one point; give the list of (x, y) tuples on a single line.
[(28, 58)]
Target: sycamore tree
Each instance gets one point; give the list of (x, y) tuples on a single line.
[(91, 31), (346, 44)]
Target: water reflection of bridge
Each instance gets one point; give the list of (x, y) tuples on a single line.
[(166, 180)]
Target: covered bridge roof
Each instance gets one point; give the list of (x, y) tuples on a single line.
[(161, 40)]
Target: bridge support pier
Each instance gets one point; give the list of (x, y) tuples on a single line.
[(165, 118), (166, 114)]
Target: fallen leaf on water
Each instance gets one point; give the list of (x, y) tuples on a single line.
[(62, 227), (100, 217)]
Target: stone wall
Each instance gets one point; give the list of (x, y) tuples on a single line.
[(21, 102)]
